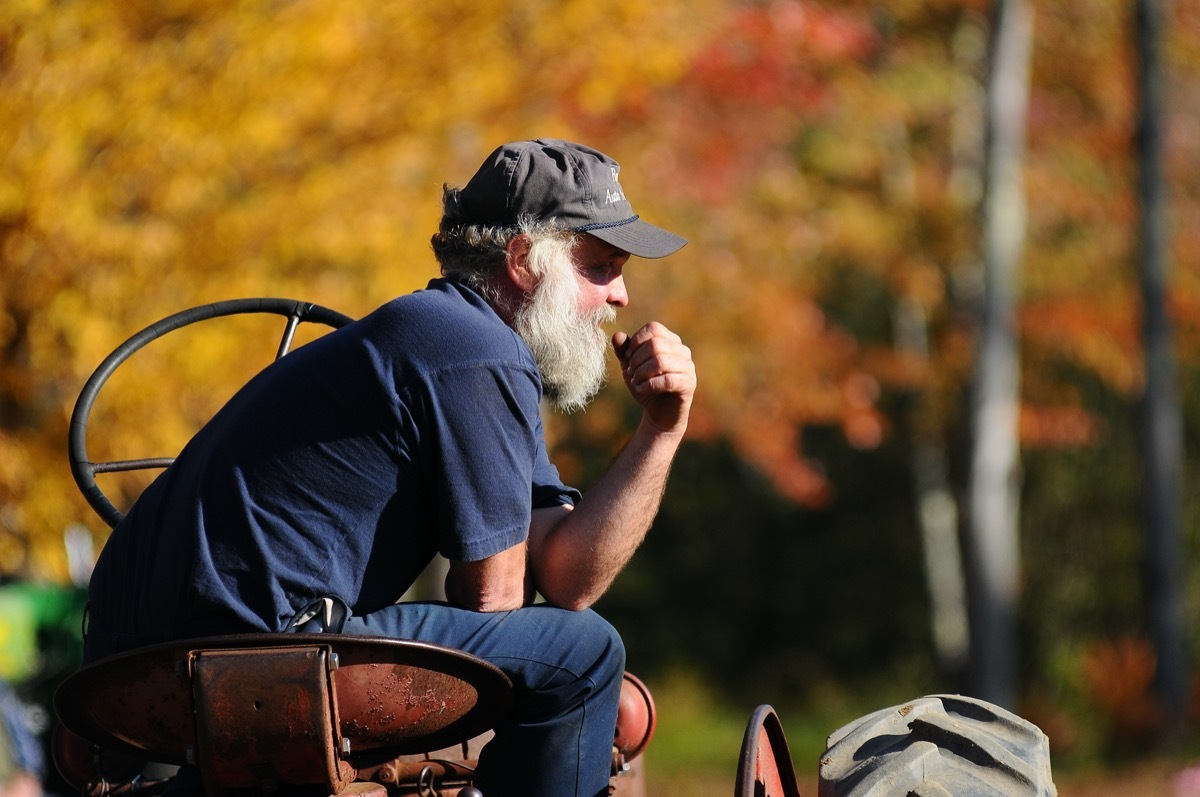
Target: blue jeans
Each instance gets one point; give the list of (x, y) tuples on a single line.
[(566, 668)]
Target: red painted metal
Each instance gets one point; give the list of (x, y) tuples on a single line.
[(765, 765), (636, 718)]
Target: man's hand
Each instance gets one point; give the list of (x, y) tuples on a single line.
[(660, 375)]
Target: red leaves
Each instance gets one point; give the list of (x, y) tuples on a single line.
[(774, 55)]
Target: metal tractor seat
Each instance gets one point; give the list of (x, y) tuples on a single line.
[(263, 711)]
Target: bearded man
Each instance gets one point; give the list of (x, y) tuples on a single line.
[(335, 475)]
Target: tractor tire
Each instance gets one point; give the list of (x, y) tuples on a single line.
[(937, 746)]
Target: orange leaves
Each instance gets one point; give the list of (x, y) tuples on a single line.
[(809, 141), (1054, 427), (754, 144), (1099, 332), (862, 422), (772, 366), (1119, 675), (764, 230)]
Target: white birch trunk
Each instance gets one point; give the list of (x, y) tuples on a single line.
[(991, 531)]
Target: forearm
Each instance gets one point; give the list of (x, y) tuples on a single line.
[(498, 583), (576, 555), (577, 558)]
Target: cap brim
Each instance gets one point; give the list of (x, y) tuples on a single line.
[(640, 238)]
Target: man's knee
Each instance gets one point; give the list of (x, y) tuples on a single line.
[(593, 637)]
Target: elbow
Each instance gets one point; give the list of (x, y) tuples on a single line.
[(571, 606), (567, 598)]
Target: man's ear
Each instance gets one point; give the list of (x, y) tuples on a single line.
[(517, 266)]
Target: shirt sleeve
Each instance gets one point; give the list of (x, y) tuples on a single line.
[(548, 489), (487, 458)]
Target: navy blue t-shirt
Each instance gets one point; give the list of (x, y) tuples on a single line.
[(340, 469)]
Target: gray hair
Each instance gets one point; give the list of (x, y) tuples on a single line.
[(474, 254)]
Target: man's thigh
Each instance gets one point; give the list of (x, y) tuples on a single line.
[(535, 646)]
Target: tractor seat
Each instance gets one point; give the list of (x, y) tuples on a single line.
[(260, 710)]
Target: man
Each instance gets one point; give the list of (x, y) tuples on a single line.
[(341, 469)]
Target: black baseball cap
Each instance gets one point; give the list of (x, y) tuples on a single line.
[(552, 179)]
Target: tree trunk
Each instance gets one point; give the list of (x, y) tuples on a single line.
[(991, 527), (937, 511), (1161, 424)]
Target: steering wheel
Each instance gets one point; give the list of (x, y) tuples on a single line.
[(83, 469)]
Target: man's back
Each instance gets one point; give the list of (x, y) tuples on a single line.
[(281, 498)]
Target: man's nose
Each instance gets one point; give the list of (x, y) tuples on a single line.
[(617, 295)]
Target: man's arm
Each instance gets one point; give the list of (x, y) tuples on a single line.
[(495, 584), (575, 555)]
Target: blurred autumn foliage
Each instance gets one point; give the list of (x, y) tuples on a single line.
[(163, 155), (823, 158)]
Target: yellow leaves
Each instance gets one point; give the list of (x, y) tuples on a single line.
[(159, 155), (30, 514), (601, 51), (12, 202), (838, 157)]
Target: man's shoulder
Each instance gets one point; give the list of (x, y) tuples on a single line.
[(446, 325), (442, 302)]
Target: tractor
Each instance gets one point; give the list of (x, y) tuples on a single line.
[(324, 714)]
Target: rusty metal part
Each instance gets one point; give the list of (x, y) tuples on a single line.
[(265, 717), (432, 697), (765, 765), (89, 770), (445, 770), (391, 700), (452, 767), (398, 774), (636, 718), (392, 696), (362, 789)]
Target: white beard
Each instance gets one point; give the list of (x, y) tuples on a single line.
[(569, 347)]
